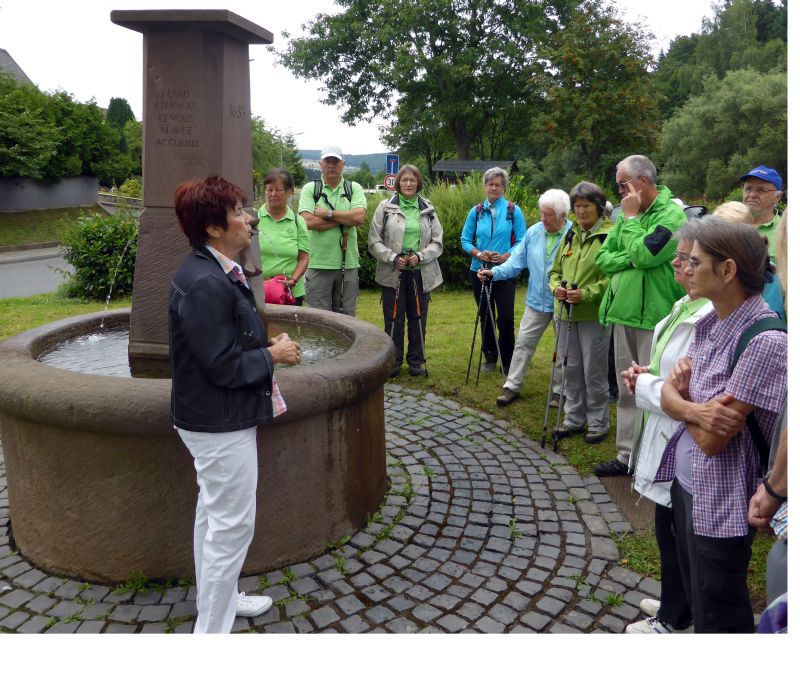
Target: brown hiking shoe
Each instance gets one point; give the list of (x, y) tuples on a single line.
[(507, 397)]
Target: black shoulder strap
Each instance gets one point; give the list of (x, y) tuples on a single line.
[(348, 190), (766, 324), (317, 190)]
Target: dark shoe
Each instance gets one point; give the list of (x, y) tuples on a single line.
[(395, 371), (595, 438), (610, 469), (489, 366), (555, 402), (416, 370), (562, 431), (507, 397)]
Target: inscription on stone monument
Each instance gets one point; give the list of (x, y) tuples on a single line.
[(176, 113)]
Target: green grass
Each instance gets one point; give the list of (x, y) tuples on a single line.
[(451, 320), (41, 225)]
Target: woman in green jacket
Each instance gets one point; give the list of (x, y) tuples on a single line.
[(586, 385)]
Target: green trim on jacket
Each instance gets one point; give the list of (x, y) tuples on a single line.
[(637, 256), (575, 262)]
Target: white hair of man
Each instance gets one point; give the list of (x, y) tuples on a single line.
[(639, 165), (557, 200), (494, 173)]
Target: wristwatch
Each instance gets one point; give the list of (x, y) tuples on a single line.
[(329, 215)]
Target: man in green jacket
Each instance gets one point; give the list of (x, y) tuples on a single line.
[(637, 257)]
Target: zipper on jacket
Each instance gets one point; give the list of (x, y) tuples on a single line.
[(644, 287)]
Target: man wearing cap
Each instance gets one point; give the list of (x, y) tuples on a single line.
[(332, 219), (762, 192)]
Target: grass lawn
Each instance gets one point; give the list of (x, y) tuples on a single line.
[(41, 225), (451, 318)]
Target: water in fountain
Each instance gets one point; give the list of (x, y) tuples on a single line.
[(114, 280)]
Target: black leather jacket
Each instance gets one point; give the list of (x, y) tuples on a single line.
[(221, 368)]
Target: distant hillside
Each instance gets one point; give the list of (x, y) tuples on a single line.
[(376, 161)]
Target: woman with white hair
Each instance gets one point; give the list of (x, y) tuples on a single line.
[(536, 253), (491, 230)]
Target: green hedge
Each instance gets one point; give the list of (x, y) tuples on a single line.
[(452, 204)]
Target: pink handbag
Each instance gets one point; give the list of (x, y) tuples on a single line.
[(277, 292)]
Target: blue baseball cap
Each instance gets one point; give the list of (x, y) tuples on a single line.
[(765, 173)]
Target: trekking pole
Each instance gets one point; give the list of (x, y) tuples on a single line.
[(564, 372), (345, 237), (495, 334), (483, 327), (553, 368), (419, 319), (475, 330), (396, 297)]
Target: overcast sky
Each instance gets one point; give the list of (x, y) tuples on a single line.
[(75, 47)]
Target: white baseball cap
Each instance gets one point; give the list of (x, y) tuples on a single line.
[(331, 151)]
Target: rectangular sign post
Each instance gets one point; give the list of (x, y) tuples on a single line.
[(392, 163)]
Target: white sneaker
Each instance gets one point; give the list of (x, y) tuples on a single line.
[(649, 626), (252, 605), (650, 607)]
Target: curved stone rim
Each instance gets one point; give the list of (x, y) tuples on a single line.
[(57, 397)]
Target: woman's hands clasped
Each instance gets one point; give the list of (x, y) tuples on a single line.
[(284, 350)]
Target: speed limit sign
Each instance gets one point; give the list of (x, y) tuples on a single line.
[(390, 181)]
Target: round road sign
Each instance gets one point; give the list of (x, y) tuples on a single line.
[(390, 181)]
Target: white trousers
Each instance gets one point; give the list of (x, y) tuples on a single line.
[(629, 345), (531, 328), (586, 375), (227, 467)]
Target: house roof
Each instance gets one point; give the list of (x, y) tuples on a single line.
[(473, 165), (11, 67)]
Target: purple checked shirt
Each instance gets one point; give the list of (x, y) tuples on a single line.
[(723, 484)]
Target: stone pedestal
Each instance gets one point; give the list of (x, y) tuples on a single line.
[(196, 116)]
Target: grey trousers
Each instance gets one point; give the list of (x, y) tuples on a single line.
[(629, 345), (323, 289), (586, 382), (531, 328)]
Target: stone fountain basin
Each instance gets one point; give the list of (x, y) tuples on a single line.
[(100, 486)]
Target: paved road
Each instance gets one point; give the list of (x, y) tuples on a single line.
[(30, 272)]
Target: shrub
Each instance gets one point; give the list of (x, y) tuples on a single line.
[(102, 249), (131, 187)]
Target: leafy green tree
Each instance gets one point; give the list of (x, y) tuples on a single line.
[(738, 122), (133, 141), (465, 61), (362, 176), (28, 139), (118, 114), (418, 133), (598, 91), (741, 34), (273, 149)]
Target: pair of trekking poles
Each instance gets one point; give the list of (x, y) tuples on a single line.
[(419, 309), (564, 359), (486, 291)]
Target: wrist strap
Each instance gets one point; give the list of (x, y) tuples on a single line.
[(772, 493)]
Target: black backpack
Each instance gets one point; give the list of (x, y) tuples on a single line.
[(348, 190)]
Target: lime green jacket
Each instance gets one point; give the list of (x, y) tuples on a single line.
[(637, 257), (575, 263)]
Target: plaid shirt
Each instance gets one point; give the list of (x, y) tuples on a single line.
[(723, 484)]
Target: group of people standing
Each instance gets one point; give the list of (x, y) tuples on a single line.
[(672, 299)]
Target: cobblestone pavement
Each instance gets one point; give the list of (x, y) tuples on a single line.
[(481, 531)]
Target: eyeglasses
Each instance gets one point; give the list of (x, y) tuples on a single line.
[(683, 258), (693, 262), (624, 183), (750, 190)]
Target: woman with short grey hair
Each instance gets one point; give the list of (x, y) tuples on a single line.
[(491, 230), (557, 200)]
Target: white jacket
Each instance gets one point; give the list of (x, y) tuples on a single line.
[(649, 446)]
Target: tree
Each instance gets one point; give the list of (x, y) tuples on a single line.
[(118, 114), (598, 92), (419, 133), (742, 34), (362, 176), (737, 123), (463, 60), (132, 132), (273, 149)]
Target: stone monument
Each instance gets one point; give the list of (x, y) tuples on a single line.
[(196, 113)]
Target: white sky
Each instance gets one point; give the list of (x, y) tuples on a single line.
[(75, 47)]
